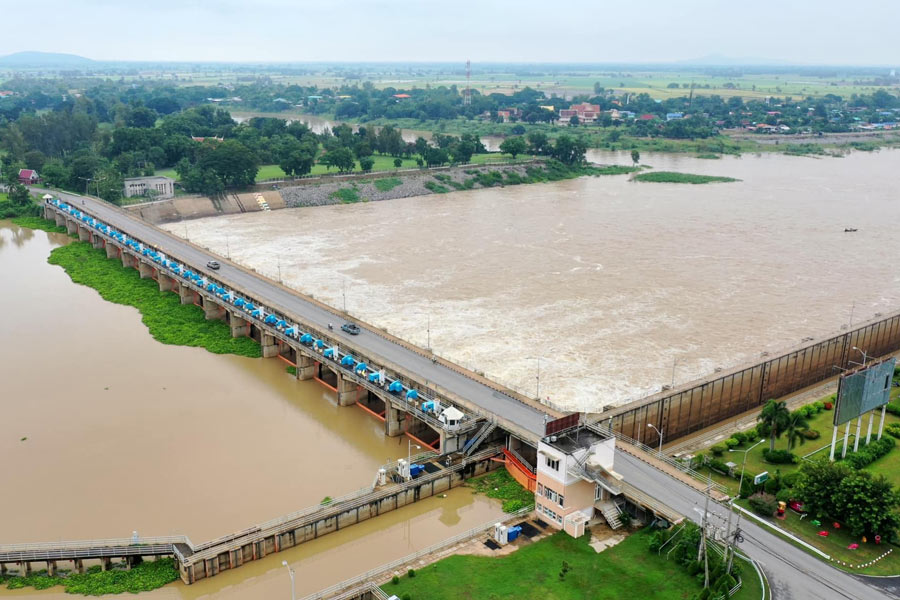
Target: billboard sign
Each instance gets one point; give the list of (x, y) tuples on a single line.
[(863, 389), (561, 424)]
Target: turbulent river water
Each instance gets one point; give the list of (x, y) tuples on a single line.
[(105, 431), (594, 288)]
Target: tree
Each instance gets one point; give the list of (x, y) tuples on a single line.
[(514, 146), (55, 173), (462, 151), (19, 196), (341, 158), (573, 121), (398, 162), (867, 504), (775, 416), (569, 151), (366, 163), (421, 146), (635, 157), (232, 162), (35, 159), (539, 143), (795, 427), (435, 157)]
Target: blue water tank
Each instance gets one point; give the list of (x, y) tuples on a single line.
[(412, 395), (281, 323), (396, 387), (329, 353), (256, 313), (428, 406), (347, 361), (375, 377), (513, 532), (319, 344), (271, 319), (416, 469), (306, 339), (290, 331)]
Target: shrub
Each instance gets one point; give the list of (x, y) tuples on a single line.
[(411, 573), (811, 434), (763, 503), (894, 409), (732, 443), (893, 429), (779, 457), (718, 465), (870, 453), (740, 436), (790, 479), (772, 485), (395, 580), (406, 596), (820, 406), (785, 494), (718, 450)]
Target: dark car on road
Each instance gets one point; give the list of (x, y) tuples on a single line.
[(213, 264), (351, 328)]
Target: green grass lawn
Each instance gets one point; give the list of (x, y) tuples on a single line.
[(837, 542), (500, 484), (672, 177), (382, 163), (626, 571)]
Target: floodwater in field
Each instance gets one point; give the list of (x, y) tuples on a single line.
[(104, 431), (594, 288)]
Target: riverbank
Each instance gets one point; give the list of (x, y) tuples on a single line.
[(168, 321), (407, 185)]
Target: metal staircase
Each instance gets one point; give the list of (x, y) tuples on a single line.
[(611, 513), (479, 437)]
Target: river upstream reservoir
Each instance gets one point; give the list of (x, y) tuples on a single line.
[(606, 283)]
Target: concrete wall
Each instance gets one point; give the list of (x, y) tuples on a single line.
[(193, 207), (680, 412)]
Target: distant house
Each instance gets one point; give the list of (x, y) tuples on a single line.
[(29, 176), (674, 116), (509, 114), (5, 93), (401, 96), (647, 117), (203, 139), (156, 186), (586, 113)]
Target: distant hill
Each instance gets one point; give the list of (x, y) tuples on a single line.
[(44, 59)]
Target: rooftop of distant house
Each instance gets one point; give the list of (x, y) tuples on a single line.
[(401, 96)]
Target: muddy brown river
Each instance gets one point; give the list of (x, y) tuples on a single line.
[(105, 431), (593, 288)]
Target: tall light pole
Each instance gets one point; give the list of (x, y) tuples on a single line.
[(731, 504), (227, 248), (428, 331), (537, 378), (279, 268), (864, 353), (291, 572), (344, 294), (659, 433), (409, 446)]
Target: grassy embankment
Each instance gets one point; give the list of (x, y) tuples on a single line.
[(625, 571), (382, 163), (168, 321), (94, 582), (8, 210), (499, 484), (672, 177)]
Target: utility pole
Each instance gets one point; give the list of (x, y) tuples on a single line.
[(703, 550), (344, 294), (428, 330), (227, 248), (538, 378), (674, 362), (279, 268)]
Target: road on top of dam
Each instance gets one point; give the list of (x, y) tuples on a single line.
[(276, 297)]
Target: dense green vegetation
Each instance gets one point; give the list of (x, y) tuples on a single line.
[(672, 177), (500, 484), (347, 195), (168, 321), (95, 582), (562, 568), (387, 184), (18, 202), (38, 223)]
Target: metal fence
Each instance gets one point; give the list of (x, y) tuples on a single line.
[(709, 401)]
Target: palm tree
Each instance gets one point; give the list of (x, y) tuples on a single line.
[(775, 415), (795, 427)]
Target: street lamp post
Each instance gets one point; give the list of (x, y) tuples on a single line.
[(537, 378), (674, 362), (731, 504), (409, 446), (659, 433), (291, 572), (864, 353)]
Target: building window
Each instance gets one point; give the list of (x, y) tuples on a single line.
[(552, 463), (540, 489), (598, 492), (562, 500)]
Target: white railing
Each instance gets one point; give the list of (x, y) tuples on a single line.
[(79, 544), (386, 568)]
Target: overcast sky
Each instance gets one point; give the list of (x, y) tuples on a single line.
[(799, 31)]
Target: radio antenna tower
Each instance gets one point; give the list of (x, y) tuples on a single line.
[(467, 96)]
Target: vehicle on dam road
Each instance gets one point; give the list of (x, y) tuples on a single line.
[(213, 264), (351, 328)]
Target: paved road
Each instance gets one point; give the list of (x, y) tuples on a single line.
[(522, 415), (792, 573)]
